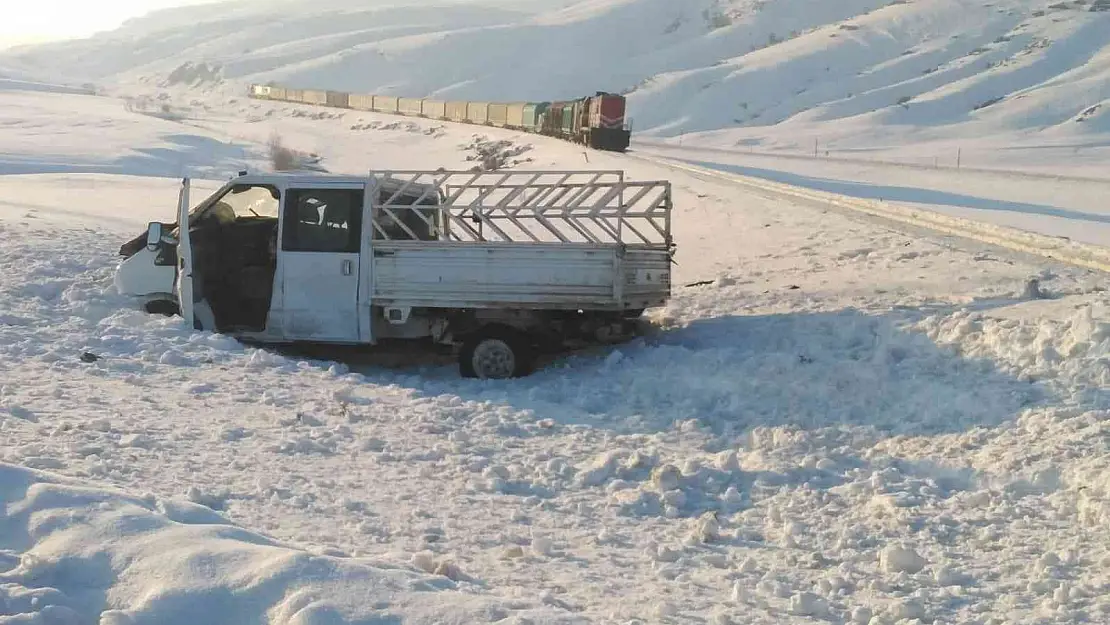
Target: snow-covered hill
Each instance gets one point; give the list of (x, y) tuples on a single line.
[(852, 72)]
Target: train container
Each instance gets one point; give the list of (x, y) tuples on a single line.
[(361, 101), (497, 114), (314, 96), (456, 111), (433, 109), (552, 118), (515, 115), (566, 121), (477, 112), (385, 103), (533, 115), (339, 99), (545, 118), (277, 93), (294, 95), (408, 106), (582, 111)]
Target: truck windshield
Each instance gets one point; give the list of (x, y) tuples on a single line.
[(240, 201)]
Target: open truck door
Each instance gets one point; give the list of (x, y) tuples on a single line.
[(185, 258)]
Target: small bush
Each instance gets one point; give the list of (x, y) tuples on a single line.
[(281, 157)]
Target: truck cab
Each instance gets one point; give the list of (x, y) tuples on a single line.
[(234, 235), (497, 267)]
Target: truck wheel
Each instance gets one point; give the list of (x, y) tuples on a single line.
[(496, 353)]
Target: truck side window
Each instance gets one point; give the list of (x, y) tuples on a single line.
[(323, 220)]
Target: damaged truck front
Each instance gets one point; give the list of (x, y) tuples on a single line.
[(498, 265)]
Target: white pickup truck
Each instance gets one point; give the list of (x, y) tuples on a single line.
[(501, 265)]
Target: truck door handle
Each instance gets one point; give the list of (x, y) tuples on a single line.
[(346, 267)]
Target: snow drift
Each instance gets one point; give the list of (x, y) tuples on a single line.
[(75, 553)]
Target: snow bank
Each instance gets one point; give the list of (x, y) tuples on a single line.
[(1074, 346), (74, 553)]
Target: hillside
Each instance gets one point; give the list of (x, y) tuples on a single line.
[(853, 72)]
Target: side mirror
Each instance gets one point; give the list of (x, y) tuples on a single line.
[(153, 235)]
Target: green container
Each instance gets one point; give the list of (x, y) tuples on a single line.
[(567, 124), (533, 114)]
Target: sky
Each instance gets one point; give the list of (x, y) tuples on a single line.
[(34, 21)]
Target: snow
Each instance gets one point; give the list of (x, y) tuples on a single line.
[(856, 74), (54, 140), (12, 84), (900, 559), (838, 420), (1057, 205), (824, 95), (71, 550)]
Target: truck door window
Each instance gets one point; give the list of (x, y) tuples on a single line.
[(323, 220), (240, 202)]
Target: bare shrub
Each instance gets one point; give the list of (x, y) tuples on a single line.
[(281, 157), (495, 155)]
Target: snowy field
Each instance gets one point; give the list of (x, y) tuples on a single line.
[(839, 422), (1059, 206)]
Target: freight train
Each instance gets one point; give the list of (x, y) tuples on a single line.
[(597, 121)]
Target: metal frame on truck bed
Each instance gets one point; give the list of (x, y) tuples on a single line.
[(500, 264)]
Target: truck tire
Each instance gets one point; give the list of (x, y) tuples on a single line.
[(495, 352)]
